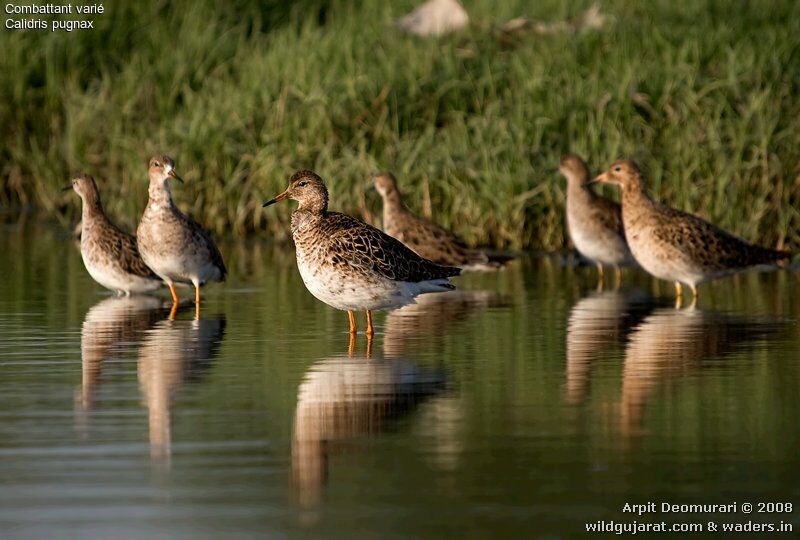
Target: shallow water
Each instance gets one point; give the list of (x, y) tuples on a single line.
[(524, 404)]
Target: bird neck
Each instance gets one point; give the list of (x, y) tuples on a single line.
[(316, 205), (580, 190), (160, 193), (634, 193), (92, 208), (303, 220), (393, 203)]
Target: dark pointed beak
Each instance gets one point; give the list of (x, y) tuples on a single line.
[(603, 178), (66, 188), (279, 198), (172, 174)]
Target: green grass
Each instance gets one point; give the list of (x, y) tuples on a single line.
[(706, 95)]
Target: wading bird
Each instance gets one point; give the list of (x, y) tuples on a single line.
[(110, 254), (677, 246), (425, 237), (594, 222), (350, 265), (172, 243)]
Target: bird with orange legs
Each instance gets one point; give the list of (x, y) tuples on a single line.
[(351, 265), (676, 246), (171, 243)]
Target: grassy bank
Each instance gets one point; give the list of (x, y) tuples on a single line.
[(705, 94)]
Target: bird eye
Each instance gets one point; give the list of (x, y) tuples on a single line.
[(157, 164), (617, 168), (303, 183)]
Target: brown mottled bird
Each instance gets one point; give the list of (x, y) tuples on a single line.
[(677, 246), (425, 237), (173, 244), (594, 222), (110, 255), (350, 265)]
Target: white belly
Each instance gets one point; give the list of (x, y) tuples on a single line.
[(353, 293), (661, 260), (114, 278), (601, 246)]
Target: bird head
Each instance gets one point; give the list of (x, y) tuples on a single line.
[(385, 183), (623, 172), (84, 185), (574, 169), (162, 168), (307, 188)]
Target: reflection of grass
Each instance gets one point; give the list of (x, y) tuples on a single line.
[(704, 94)]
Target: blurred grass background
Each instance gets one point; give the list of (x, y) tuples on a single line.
[(242, 93)]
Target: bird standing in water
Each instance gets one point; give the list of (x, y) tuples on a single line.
[(110, 255), (594, 222), (350, 265), (677, 246), (425, 237), (172, 243)]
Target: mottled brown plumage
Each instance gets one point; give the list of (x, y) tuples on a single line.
[(425, 237), (110, 255), (363, 248), (594, 222), (172, 243), (349, 264), (677, 246)]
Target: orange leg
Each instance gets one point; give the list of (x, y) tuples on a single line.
[(175, 299), (352, 318), (599, 277), (694, 296), (197, 301), (173, 311), (352, 346), (370, 328)]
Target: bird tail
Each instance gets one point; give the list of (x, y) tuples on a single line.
[(501, 258), (766, 256), (782, 258), (435, 285), (448, 271)]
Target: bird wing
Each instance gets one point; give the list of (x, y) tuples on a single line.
[(437, 243), (710, 246), (201, 237), (359, 245), (608, 213), (124, 246)]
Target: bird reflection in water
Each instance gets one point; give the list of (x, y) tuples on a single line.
[(174, 352), (348, 397), (111, 327), (343, 398), (597, 323), (170, 352), (673, 344), (433, 316)]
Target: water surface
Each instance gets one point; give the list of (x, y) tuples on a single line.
[(526, 403)]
